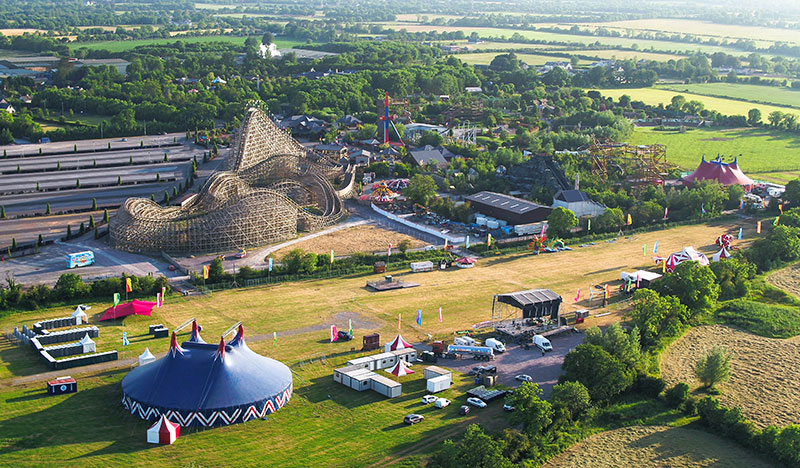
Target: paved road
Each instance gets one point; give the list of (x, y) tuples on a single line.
[(101, 177), (544, 369), (50, 227), (90, 145)]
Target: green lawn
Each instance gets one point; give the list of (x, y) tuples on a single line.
[(762, 151), (654, 97), (121, 46), (780, 96)]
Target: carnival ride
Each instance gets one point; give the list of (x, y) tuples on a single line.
[(638, 164), (382, 194), (273, 187), (388, 119)]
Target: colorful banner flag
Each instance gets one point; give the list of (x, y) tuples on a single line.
[(741, 204), (628, 285), (128, 287), (440, 315), (777, 219), (331, 256), (389, 254), (630, 220), (544, 228), (664, 266), (274, 338), (163, 293), (655, 247), (589, 224), (158, 299), (758, 227), (467, 242), (577, 298), (398, 321), (116, 299), (637, 280), (740, 233), (270, 264), (780, 207), (125, 341), (334, 333), (419, 317), (606, 291), (666, 212), (591, 294), (206, 270), (350, 325), (489, 240), (445, 243), (644, 249), (703, 208)]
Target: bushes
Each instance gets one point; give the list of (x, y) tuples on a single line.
[(676, 395), (762, 319), (603, 375)]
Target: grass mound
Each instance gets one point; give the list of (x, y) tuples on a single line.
[(762, 319)]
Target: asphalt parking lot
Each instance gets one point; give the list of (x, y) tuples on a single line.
[(544, 369)]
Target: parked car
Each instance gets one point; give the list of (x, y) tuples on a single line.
[(508, 407), (344, 336), (427, 399), (476, 402), (241, 254), (413, 418), (524, 378), (542, 343), (476, 370), (442, 402), (464, 410)]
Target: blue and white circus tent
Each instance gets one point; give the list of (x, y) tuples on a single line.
[(201, 384)]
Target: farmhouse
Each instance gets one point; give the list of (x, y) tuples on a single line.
[(513, 210)]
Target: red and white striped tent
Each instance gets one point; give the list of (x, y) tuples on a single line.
[(397, 343), (466, 262), (721, 255), (688, 254), (400, 369), (163, 432)]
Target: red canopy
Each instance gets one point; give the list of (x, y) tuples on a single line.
[(135, 307), (725, 174)]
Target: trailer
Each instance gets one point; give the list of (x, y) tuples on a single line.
[(439, 383), (418, 267), (479, 353), (80, 259)]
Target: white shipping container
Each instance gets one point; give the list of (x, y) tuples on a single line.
[(437, 384), (480, 220), (492, 224)]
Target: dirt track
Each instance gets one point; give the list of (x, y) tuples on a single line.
[(765, 372)]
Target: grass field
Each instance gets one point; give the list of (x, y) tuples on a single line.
[(655, 96), (770, 365), (121, 46), (706, 28), (656, 447), (366, 238), (779, 96), (765, 153), (485, 58), (766, 320)]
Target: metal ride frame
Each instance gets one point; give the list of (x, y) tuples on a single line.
[(272, 188), (645, 164)]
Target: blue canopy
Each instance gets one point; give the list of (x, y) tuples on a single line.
[(208, 384)]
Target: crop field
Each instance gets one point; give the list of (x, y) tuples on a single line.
[(705, 28), (758, 148), (366, 238), (770, 365), (121, 46), (642, 44), (485, 58), (779, 96), (655, 96), (787, 279), (656, 447)]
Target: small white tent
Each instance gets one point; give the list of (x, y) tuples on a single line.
[(721, 255), (80, 316), (163, 431), (146, 357), (88, 344)]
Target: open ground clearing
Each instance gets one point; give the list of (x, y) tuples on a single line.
[(787, 279), (656, 447), (365, 238), (765, 372), (654, 97), (765, 153), (780, 96)]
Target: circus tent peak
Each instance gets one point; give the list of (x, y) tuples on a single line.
[(195, 336), (174, 347), (239, 338), (397, 343), (724, 173), (146, 357), (400, 369)]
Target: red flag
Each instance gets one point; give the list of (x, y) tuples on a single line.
[(128, 287)]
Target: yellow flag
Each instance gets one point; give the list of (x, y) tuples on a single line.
[(489, 240), (758, 227), (331, 256), (630, 221), (664, 266), (206, 269)]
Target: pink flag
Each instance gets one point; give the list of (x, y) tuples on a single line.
[(440, 315), (637, 280), (666, 212), (334, 334), (390, 250), (578, 296), (158, 299)]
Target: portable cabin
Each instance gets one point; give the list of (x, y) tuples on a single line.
[(386, 387), (436, 371), (439, 383), (371, 341), (384, 360), (366, 362), (406, 354)]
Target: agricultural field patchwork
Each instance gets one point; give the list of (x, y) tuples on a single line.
[(765, 372), (656, 447), (779, 96), (121, 46)]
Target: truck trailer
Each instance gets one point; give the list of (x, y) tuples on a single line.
[(479, 353), (80, 259)]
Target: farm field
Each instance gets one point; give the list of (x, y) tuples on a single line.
[(758, 148), (706, 28), (485, 58), (779, 96), (365, 238), (777, 378), (787, 279), (642, 44), (121, 46), (654, 96), (655, 447)]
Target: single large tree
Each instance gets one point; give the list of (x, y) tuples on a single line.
[(530, 410), (714, 367), (421, 189), (561, 220), (603, 375)]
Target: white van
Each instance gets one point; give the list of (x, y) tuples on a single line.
[(496, 345), (542, 343), (464, 341)]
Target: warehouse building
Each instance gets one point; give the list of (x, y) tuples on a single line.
[(512, 210)]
